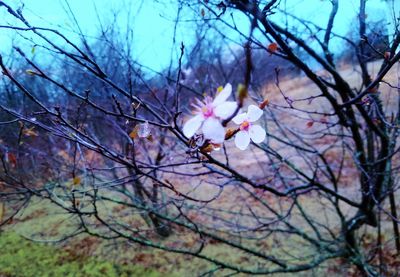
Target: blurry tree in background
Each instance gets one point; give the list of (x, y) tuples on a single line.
[(376, 39), (87, 127)]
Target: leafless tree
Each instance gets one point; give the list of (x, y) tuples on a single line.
[(89, 130)]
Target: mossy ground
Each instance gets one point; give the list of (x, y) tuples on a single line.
[(21, 257)]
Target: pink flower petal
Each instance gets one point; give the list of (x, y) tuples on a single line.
[(240, 118), (213, 130), (254, 113), (192, 125), (223, 95), (257, 133), (225, 109), (242, 140)]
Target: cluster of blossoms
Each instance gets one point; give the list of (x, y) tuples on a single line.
[(209, 113)]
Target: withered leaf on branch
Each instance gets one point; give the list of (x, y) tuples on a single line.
[(272, 47), (141, 130), (30, 132), (12, 159), (134, 133), (144, 130), (76, 181)]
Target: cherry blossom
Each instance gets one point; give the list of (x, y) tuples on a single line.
[(249, 130), (208, 116)]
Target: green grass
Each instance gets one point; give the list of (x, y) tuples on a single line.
[(21, 257), (84, 255), (43, 220)]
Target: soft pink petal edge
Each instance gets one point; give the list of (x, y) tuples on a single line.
[(254, 113), (239, 118), (192, 125), (242, 140), (226, 109), (213, 130), (257, 133), (223, 95)]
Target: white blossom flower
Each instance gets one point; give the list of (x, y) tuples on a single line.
[(248, 130), (208, 116)]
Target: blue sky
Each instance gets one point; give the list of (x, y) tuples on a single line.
[(152, 21)]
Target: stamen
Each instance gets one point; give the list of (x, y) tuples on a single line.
[(245, 126), (207, 110)]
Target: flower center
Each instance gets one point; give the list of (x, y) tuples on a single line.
[(207, 111), (245, 126), (207, 108)]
